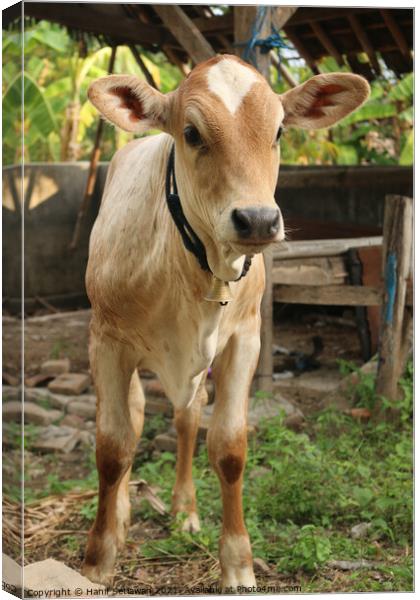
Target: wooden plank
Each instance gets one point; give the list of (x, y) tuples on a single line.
[(185, 32), (306, 249), (86, 18), (360, 34), (397, 252), (343, 177), (329, 295), (310, 271), (371, 259), (396, 33), (327, 42)]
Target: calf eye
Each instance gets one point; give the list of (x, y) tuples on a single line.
[(192, 136), (278, 136)]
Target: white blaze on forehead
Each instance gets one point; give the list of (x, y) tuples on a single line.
[(231, 81)]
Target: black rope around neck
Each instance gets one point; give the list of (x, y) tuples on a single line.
[(191, 240)]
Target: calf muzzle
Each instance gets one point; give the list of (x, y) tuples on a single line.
[(258, 224)]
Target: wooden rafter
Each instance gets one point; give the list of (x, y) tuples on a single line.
[(144, 69), (301, 48), (364, 41), (284, 71), (326, 41), (185, 32), (95, 22), (396, 33), (306, 16), (281, 16)]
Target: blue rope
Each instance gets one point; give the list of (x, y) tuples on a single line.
[(391, 286), (266, 44)]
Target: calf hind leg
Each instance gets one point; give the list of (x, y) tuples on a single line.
[(119, 424), (183, 495)]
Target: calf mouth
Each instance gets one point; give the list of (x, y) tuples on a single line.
[(252, 246)]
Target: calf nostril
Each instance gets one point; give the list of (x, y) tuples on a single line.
[(242, 221), (274, 225)]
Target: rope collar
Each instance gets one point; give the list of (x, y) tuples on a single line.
[(190, 239)]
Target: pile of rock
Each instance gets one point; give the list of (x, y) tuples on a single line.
[(64, 408)]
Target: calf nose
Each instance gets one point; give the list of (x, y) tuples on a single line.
[(258, 223)]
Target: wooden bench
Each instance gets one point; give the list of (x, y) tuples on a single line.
[(316, 272)]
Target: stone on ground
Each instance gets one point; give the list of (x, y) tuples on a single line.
[(71, 384), (153, 387), (165, 443), (10, 379), (360, 530), (11, 393), (73, 421), (53, 368), (261, 566), (84, 406), (12, 411), (43, 394), (35, 380), (57, 439), (268, 407), (11, 575), (158, 406), (53, 575)]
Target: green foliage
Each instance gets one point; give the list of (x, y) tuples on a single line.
[(88, 510), (310, 551)]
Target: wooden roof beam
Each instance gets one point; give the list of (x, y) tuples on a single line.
[(284, 71), (280, 16), (90, 20), (185, 32), (144, 69), (396, 33), (307, 15), (327, 42), (301, 48), (364, 41)]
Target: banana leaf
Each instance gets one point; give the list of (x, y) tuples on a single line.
[(407, 153)]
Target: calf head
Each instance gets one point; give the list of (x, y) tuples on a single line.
[(226, 122)]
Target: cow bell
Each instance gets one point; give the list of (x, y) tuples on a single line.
[(219, 291)]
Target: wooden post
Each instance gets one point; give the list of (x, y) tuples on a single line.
[(93, 168), (398, 234), (244, 19), (185, 32)]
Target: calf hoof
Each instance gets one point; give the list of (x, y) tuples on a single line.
[(239, 580), (191, 523), (97, 575)]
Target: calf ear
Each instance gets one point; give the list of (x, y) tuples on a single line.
[(323, 100), (129, 103)]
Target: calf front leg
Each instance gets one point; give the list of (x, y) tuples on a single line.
[(227, 445), (118, 426)]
